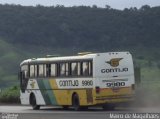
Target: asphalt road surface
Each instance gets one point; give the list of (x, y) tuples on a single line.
[(26, 112)]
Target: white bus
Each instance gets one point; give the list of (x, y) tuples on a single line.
[(103, 79)]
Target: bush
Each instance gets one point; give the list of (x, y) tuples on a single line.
[(10, 95)]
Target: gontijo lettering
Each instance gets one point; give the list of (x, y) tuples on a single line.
[(68, 83), (112, 70)]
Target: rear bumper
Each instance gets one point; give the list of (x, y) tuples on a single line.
[(114, 99)]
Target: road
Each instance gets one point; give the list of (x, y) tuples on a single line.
[(26, 112)]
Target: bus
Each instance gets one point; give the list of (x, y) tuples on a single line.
[(88, 79)]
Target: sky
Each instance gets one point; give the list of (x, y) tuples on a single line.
[(117, 4)]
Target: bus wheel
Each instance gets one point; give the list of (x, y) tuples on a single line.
[(84, 108), (65, 107), (34, 103), (75, 102), (109, 107)]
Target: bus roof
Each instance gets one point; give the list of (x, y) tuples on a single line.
[(50, 58)]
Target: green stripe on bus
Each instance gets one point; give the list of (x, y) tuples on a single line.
[(47, 92), (50, 92), (44, 91)]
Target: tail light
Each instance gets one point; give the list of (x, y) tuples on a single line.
[(97, 89), (133, 86)]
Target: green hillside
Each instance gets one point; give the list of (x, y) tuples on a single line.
[(27, 32), (9, 60)]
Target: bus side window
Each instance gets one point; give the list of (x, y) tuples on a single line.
[(40, 70), (53, 70), (79, 68), (74, 69), (62, 69), (31, 71), (85, 68), (67, 69), (24, 69)]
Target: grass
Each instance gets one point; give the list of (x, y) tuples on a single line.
[(10, 95)]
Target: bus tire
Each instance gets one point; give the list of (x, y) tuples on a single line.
[(108, 107), (75, 102), (84, 108), (33, 102), (65, 107)]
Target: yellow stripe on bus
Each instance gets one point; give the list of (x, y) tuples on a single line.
[(64, 96)]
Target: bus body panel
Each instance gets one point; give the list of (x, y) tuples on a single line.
[(32, 87), (114, 76), (58, 91)]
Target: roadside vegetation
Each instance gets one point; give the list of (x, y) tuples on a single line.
[(10, 95), (147, 92)]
